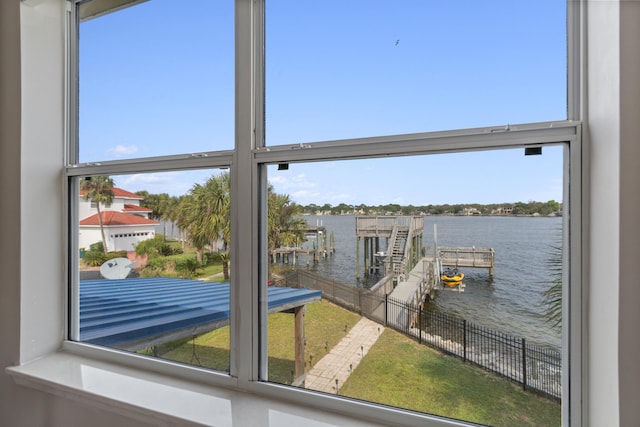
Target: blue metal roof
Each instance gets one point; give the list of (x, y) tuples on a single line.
[(139, 312)]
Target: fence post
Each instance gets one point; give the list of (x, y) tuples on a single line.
[(420, 324), (464, 340), (386, 303), (524, 365)]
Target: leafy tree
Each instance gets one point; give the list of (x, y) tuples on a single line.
[(159, 205), (342, 208), (98, 189), (179, 218), (285, 226), (172, 212)]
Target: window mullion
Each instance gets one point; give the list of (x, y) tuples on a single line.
[(244, 208)]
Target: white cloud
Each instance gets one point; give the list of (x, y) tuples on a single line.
[(284, 183), (123, 150), (173, 183)]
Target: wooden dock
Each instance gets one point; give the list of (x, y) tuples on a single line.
[(391, 243), (413, 289), (465, 257), (415, 285), (291, 255), (323, 246)]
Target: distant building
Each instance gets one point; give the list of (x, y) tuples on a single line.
[(470, 211), (502, 211), (125, 222)]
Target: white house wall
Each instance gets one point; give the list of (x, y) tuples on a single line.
[(118, 238)]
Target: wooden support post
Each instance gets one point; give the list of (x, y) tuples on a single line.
[(326, 247), (358, 257), (299, 341), (333, 244), (367, 243)]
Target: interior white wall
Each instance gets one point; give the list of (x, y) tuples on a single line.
[(613, 127), (629, 298), (31, 264), (42, 315), (603, 132)]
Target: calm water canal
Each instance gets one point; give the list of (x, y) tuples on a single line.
[(511, 302)]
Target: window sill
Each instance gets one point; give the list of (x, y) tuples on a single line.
[(160, 399)]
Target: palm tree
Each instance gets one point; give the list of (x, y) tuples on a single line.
[(180, 217), (173, 212), (285, 227), (159, 205), (98, 189), (552, 296), (224, 257), (206, 213)]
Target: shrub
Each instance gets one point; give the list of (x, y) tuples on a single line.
[(186, 265), (98, 246), (156, 247), (183, 265), (94, 258), (148, 247), (116, 254)]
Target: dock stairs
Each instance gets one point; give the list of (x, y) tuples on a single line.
[(398, 251)]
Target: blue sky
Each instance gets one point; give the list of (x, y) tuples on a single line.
[(157, 79)]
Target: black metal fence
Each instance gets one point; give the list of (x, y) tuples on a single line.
[(534, 367), (359, 300)]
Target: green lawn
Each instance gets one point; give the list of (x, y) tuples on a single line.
[(397, 371), (325, 325)]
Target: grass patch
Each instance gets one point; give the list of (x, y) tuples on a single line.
[(211, 268), (397, 371), (325, 325)]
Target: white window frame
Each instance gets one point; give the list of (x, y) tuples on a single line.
[(247, 164)]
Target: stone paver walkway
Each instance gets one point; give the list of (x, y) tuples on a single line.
[(343, 358)]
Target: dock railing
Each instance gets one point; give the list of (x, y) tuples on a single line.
[(467, 257), (383, 225)]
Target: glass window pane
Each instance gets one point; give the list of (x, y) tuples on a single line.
[(347, 69), (154, 265), (441, 279), (156, 79)]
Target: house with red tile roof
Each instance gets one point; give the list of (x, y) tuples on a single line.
[(126, 223)]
